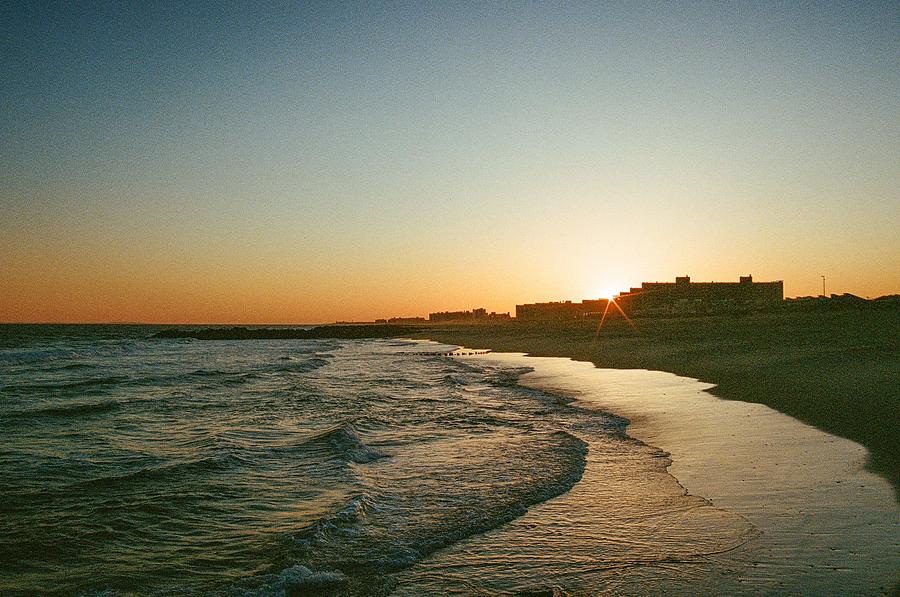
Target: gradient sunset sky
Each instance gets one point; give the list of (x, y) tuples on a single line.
[(283, 162)]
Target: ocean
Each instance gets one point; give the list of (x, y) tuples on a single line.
[(134, 465)]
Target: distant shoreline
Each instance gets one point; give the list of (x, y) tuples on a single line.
[(836, 371), (349, 332)]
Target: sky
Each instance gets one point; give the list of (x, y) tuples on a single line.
[(302, 163)]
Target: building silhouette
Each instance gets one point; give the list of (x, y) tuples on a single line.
[(476, 315), (686, 297), (681, 297), (402, 320), (561, 310)]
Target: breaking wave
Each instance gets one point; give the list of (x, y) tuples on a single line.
[(343, 439), (386, 530)]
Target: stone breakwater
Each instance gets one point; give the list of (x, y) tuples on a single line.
[(347, 332)]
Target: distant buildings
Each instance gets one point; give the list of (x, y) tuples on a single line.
[(402, 320), (561, 310), (681, 297), (475, 315), (686, 297)]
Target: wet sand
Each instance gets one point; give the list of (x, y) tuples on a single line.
[(826, 524), (836, 371), (726, 497), (625, 528)]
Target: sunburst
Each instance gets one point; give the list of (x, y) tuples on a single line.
[(611, 301)]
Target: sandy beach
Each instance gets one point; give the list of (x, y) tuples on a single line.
[(825, 522), (836, 371), (824, 505), (726, 497)]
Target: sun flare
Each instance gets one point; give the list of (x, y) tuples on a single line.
[(607, 293)]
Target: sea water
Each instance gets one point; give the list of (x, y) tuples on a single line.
[(136, 465)]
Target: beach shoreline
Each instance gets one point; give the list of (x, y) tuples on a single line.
[(791, 481), (834, 371)]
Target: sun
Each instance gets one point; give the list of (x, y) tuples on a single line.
[(605, 290), (607, 294)]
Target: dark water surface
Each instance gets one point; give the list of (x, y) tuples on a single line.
[(133, 465)]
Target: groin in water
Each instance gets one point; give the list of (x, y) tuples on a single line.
[(347, 332)]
